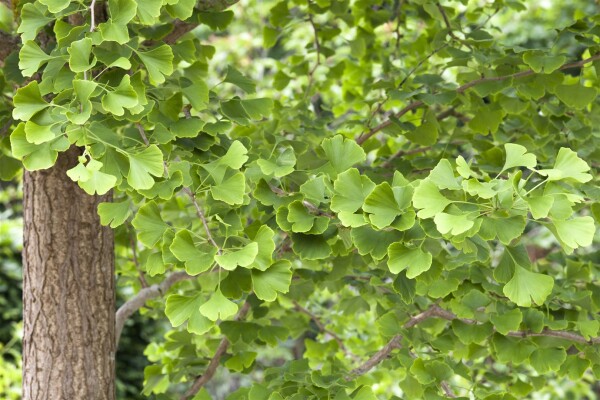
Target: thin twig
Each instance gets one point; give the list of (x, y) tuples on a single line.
[(138, 301), (93, 16), (141, 275), (447, 390), (215, 360), (202, 217), (450, 30), (324, 329), (461, 89), (317, 44)]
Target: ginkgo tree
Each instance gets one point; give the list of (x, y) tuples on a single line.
[(374, 199)]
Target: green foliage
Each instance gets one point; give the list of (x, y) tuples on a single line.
[(400, 191)]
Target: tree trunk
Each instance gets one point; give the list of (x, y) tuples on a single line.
[(68, 290)]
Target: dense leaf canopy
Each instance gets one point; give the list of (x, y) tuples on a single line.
[(345, 199)]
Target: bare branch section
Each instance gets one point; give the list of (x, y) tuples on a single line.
[(437, 312), (138, 301), (214, 362), (461, 89)]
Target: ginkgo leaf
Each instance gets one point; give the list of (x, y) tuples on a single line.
[(197, 257), (443, 176), (180, 308), (218, 307), (231, 190), (517, 156), (540, 62), (155, 264), (149, 224), (414, 260), (568, 166), (574, 233), (158, 62), (28, 101), (453, 224), (342, 153), (266, 246), (576, 96), (526, 286), (429, 200), (237, 78), (243, 257), (31, 57), (79, 55), (281, 166), (123, 96), (385, 203), (143, 164), (351, 189), (114, 213), (276, 279)]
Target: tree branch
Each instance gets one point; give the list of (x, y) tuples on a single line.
[(138, 301), (214, 362), (461, 89), (436, 311)]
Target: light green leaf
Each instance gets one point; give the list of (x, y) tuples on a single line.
[(547, 359), (414, 260), (231, 190), (298, 215), (386, 203), (31, 57), (540, 205), (507, 321), (180, 308), (342, 153), (123, 96), (149, 12), (114, 214), (234, 159), (38, 134), (282, 165), (155, 264), (79, 55), (55, 6), (453, 224), (149, 224), (237, 78), (526, 286), (568, 166), (28, 101), (36, 157), (540, 62), (277, 278), (218, 307), (428, 198), (142, 165), (243, 257), (486, 120), (98, 182), (443, 176), (576, 96), (158, 62), (575, 232), (351, 189), (266, 246), (33, 18), (517, 156), (197, 258), (258, 109)]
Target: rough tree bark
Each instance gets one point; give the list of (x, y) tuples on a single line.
[(68, 290)]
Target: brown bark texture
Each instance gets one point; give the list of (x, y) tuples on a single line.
[(68, 290)]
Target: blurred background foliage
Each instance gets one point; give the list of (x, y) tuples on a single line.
[(242, 43)]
